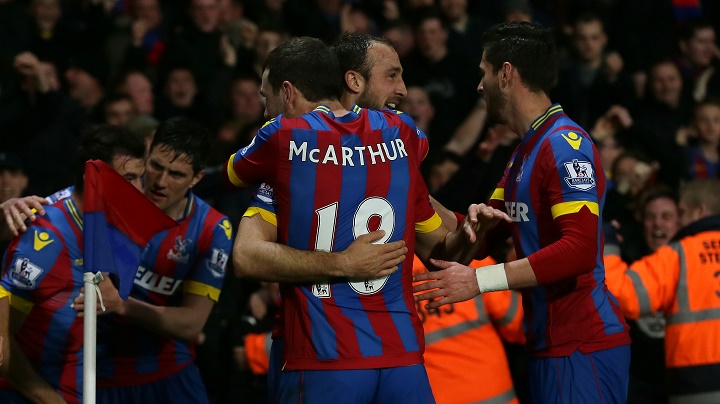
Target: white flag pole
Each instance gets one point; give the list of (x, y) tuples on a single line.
[(89, 334)]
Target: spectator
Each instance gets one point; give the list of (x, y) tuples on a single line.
[(181, 97), (400, 34), (659, 117), (699, 58), (678, 281), (703, 155), (138, 86), (119, 109), (592, 78), (417, 104), (448, 76)]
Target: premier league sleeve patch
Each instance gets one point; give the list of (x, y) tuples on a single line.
[(581, 173), (25, 274), (217, 262)]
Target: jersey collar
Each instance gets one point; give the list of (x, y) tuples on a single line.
[(74, 212)]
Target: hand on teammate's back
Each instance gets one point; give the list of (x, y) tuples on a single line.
[(16, 210)]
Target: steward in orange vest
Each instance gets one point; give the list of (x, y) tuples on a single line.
[(464, 356), (681, 280)]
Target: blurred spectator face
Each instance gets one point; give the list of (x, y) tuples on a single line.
[(80, 83), (266, 42), (46, 13), (229, 11), (245, 99), (660, 222), (148, 11), (402, 39), (518, 15), (13, 180), (385, 86), (119, 112), (432, 39), (274, 5), (417, 104), (416, 4), (707, 122), (359, 21), (700, 49), (454, 10), (274, 104), (590, 40), (139, 88), (666, 83), (131, 168), (608, 150), (181, 88), (205, 14), (329, 6)]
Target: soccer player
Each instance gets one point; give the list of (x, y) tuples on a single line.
[(554, 190), (146, 348), (43, 270), (338, 175)]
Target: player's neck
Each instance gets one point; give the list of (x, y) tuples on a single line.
[(77, 198), (177, 210), (526, 110), (337, 108)]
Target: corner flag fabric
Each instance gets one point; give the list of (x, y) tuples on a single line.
[(119, 221)]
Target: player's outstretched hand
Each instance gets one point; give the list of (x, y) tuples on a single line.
[(16, 210), (454, 283), (110, 297), (481, 218), (366, 259)]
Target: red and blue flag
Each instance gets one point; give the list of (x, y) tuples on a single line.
[(119, 221)]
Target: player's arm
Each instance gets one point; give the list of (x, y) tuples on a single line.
[(256, 254), (17, 368), (646, 286), (4, 339)]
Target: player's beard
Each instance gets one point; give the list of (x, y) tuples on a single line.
[(495, 103), (368, 100)]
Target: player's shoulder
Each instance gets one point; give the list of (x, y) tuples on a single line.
[(211, 217)]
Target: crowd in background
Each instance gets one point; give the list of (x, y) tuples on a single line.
[(641, 76)]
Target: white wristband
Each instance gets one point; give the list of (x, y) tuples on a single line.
[(491, 278)]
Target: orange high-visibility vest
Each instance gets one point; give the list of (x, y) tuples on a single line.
[(681, 280), (257, 352), (464, 356)]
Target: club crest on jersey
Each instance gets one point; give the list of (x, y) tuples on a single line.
[(321, 290), (25, 273), (266, 193), (179, 253), (581, 175), (369, 286), (217, 262)]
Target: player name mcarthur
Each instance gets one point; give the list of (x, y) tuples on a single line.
[(349, 156)]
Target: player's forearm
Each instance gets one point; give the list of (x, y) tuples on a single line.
[(573, 254), (174, 322), (26, 380), (273, 262)]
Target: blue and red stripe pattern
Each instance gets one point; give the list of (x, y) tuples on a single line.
[(554, 190), (43, 273), (189, 258), (334, 179)]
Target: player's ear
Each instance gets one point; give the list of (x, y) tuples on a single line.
[(197, 178), (354, 81)]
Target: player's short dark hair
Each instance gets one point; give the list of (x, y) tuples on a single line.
[(104, 142), (182, 135), (309, 64), (352, 52), (529, 48)]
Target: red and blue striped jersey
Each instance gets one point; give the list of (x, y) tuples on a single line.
[(189, 258), (554, 191), (43, 273), (334, 179)]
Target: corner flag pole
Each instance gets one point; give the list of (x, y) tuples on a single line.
[(90, 335)]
